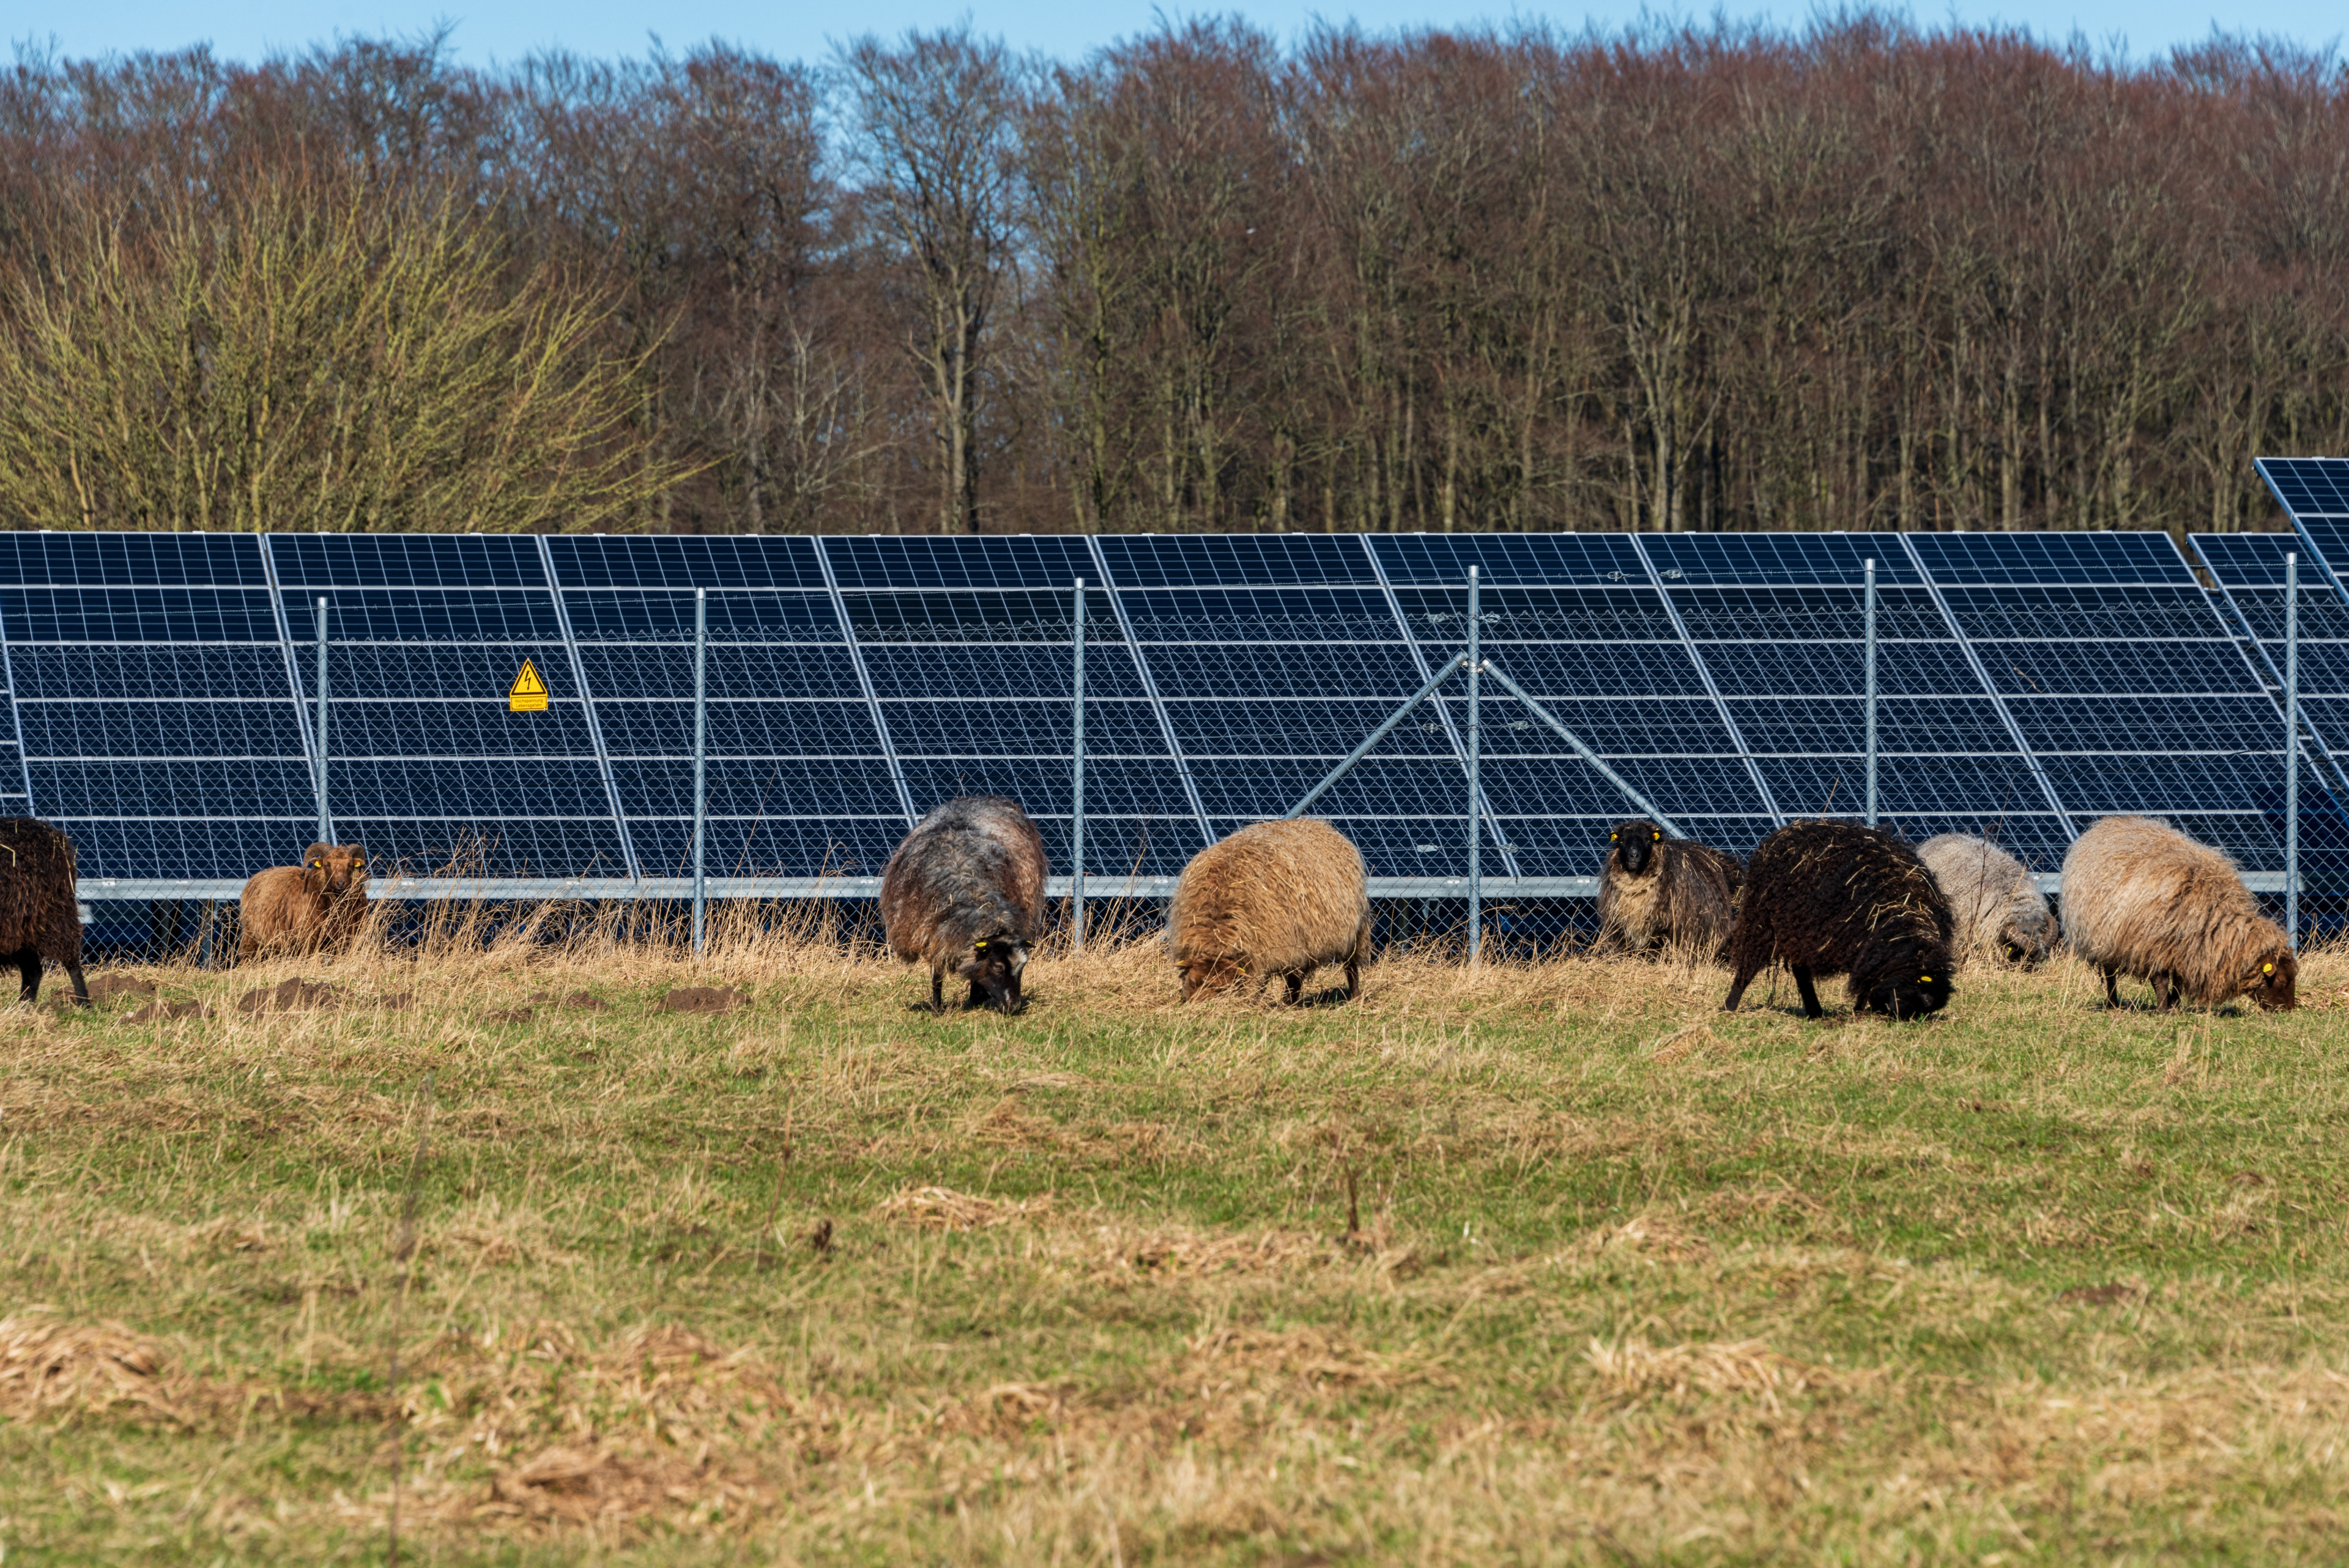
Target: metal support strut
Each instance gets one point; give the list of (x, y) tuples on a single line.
[(1475, 818), (1870, 619), (700, 757), (325, 822), (1077, 806), (2291, 749)]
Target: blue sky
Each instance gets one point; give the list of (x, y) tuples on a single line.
[(1064, 28)]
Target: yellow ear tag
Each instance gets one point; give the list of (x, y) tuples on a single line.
[(2267, 969), (1657, 836), (1924, 979), (1612, 838)]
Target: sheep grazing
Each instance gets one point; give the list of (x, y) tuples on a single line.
[(1656, 891), (2143, 899), (312, 908), (2000, 910), (1837, 897), (965, 894), (40, 909), (1277, 898)]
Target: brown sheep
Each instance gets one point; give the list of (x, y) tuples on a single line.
[(2143, 899), (312, 908), (964, 893), (1655, 891), (1277, 898), (40, 907)]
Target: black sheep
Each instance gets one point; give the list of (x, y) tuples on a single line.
[(1654, 891), (1836, 898), (40, 907)]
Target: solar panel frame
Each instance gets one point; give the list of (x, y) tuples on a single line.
[(2315, 494), (2247, 572)]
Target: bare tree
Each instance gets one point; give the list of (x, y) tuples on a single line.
[(936, 156)]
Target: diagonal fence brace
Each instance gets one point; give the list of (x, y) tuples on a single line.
[(1459, 662), (1588, 755)]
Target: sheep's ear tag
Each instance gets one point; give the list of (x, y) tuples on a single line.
[(1657, 836), (1924, 979), (1613, 837), (2267, 969), (981, 947)]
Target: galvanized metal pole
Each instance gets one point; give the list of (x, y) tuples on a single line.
[(700, 756), (1077, 810), (1476, 827), (2291, 749), (325, 822), (1871, 691)]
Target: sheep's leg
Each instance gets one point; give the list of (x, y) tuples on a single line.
[(938, 993), (2166, 988), (1295, 979), (81, 987), (1353, 978), (1744, 978), (2112, 986), (29, 964), (1811, 1007)]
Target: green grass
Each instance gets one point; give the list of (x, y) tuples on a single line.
[(1546, 1263)]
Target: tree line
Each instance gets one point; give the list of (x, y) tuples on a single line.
[(1859, 275)]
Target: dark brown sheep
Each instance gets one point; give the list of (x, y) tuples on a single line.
[(1834, 898), (312, 908), (2141, 898), (965, 893), (1655, 891), (1277, 898), (40, 907)]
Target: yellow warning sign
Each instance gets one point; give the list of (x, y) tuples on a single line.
[(528, 693)]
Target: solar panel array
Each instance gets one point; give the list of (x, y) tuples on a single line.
[(163, 692)]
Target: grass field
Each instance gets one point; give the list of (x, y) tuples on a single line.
[(1539, 1263)]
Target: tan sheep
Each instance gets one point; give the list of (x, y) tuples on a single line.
[(314, 907), (2000, 910), (2141, 898), (1277, 898)]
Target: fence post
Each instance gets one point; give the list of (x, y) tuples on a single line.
[(325, 822), (700, 754), (1475, 824), (2291, 749), (1871, 690), (1077, 813)]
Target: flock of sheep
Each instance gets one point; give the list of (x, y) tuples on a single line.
[(964, 894)]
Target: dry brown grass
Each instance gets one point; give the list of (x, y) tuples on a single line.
[(1542, 1262)]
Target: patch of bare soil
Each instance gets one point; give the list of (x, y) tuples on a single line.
[(703, 999), (296, 995), (105, 988), (157, 1012)]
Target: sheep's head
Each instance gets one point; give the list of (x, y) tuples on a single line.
[(1909, 991), (2275, 983), (1635, 845), (2028, 935), (1217, 973), (333, 869), (994, 967)]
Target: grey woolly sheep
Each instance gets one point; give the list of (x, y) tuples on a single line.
[(312, 908), (1837, 897), (2141, 898), (964, 893), (40, 907), (1277, 898), (2000, 910), (1655, 891)]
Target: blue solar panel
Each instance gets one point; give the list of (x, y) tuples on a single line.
[(1508, 559), (2249, 571), (133, 560), (160, 694), (1789, 558), (406, 561), (2309, 486), (2000, 559), (920, 561), (1234, 560), (721, 561)]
